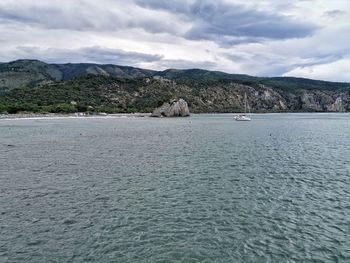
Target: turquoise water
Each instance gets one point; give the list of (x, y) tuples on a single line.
[(198, 189)]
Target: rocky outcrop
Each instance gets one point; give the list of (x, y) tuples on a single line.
[(174, 108)]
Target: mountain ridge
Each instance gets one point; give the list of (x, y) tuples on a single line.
[(68, 71), (33, 85)]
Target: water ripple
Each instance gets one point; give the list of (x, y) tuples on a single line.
[(204, 189)]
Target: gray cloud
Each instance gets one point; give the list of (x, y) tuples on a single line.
[(101, 55), (93, 54), (108, 16), (185, 64), (231, 23), (117, 55), (273, 65), (334, 13), (219, 21), (49, 17), (178, 6)]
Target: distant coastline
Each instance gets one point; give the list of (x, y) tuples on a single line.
[(23, 116), (38, 87)]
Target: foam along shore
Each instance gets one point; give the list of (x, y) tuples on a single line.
[(70, 115)]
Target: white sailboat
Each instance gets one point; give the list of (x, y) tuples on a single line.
[(244, 117)]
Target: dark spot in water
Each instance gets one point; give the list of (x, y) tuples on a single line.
[(69, 221), (34, 243), (102, 198)]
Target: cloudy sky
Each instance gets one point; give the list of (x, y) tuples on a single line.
[(304, 38)]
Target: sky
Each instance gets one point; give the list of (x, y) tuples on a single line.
[(301, 38)]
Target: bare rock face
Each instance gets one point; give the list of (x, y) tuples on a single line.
[(174, 108), (338, 105)]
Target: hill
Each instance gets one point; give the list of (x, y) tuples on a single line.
[(30, 73), (31, 85)]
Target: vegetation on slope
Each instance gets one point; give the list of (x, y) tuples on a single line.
[(109, 94), (87, 93)]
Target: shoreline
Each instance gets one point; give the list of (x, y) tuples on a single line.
[(34, 116)]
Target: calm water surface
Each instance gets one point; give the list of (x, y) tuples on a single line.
[(198, 189)]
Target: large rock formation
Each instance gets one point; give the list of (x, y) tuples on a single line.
[(174, 108)]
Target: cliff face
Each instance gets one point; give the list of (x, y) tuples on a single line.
[(229, 97), (302, 100)]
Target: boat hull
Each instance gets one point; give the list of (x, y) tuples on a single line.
[(242, 118)]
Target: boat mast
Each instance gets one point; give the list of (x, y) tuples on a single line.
[(245, 103)]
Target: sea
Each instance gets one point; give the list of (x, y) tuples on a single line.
[(205, 188)]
